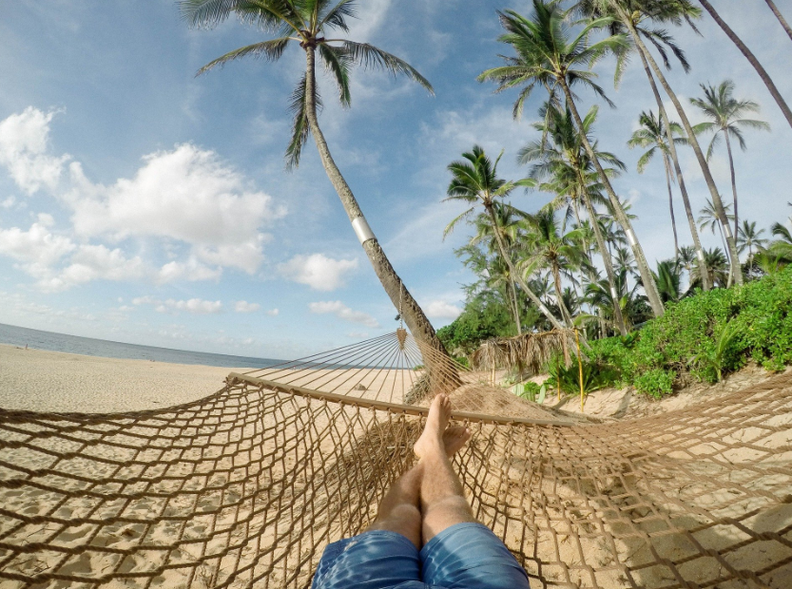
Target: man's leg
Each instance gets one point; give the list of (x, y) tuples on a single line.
[(443, 503), (457, 551), (400, 509)]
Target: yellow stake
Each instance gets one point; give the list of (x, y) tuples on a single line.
[(580, 369)]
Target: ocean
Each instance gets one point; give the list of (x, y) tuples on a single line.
[(60, 342)]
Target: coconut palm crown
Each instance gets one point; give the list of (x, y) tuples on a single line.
[(306, 23)]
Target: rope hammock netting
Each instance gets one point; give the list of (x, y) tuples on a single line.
[(246, 487)]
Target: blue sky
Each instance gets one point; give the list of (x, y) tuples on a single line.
[(141, 204)]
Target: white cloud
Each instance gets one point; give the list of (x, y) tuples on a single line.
[(185, 194), (8, 202), (95, 262), (317, 271), (341, 311), (191, 270), (245, 307), (37, 246), (273, 312), (442, 310), (24, 140), (194, 306)]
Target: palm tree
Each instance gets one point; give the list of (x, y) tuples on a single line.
[(635, 12), (780, 17), (474, 181), (546, 56), (749, 238), (307, 23), (669, 281), (652, 134), (718, 267), (499, 270), (768, 81), (708, 217), (726, 111), (560, 155), (547, 247), (672, 10), (633, 305)]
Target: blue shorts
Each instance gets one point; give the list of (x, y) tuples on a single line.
[(463, 556)]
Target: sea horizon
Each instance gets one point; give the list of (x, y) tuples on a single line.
[(87, 346)]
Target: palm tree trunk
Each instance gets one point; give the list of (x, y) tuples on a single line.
[(733, 182), (752, 59), (716, 200), (401, 298), (559, 295), (608, 263), (671, 204), (780, 17), (706, 283), (513, 290), (515, 274), (646, 274)]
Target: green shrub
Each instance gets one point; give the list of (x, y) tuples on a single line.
[(708, 335), (656, 382)]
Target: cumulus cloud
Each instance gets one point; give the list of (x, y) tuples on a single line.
[(185, 199), (194, 306), (24, 141), (185, 194), (341, 311), (191, 270), (245, 307), (273, 312), (442, 310), (318, 271)]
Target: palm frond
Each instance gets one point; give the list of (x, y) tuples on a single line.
[(270, 50), (337, 62), (372, 57), (300, 126)]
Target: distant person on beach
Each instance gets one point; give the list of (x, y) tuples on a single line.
[(425, 534)]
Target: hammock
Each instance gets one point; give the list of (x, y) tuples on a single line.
[(246, 487)]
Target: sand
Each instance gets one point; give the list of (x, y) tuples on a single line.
[(39, 380)]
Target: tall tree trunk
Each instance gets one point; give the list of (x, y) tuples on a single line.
[(706, 282), (513, 290), (671, 204), (733, 183), (401, 298), (559, 294), (515, 274), (606, 261), (716, 200), (646, 274), (752, 59), (780, 17)]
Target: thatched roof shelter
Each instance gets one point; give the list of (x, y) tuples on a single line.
[(528, 352)]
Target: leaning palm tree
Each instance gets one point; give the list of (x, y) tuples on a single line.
[(548, 57), (311, 24), (629, 13), (780, 17), (474, 181), (652, 134), (546, 247), (768, 81), (561, 158), (726, 114), (642, 16)]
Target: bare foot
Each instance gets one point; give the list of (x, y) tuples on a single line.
[(454, 438), (431, 439)]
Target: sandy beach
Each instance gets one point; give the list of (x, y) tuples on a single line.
[(39, 380)]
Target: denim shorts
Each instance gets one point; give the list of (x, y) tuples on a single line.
[(463, 556)]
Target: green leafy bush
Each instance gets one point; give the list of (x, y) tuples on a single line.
[(708, 335), (656, 382)]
